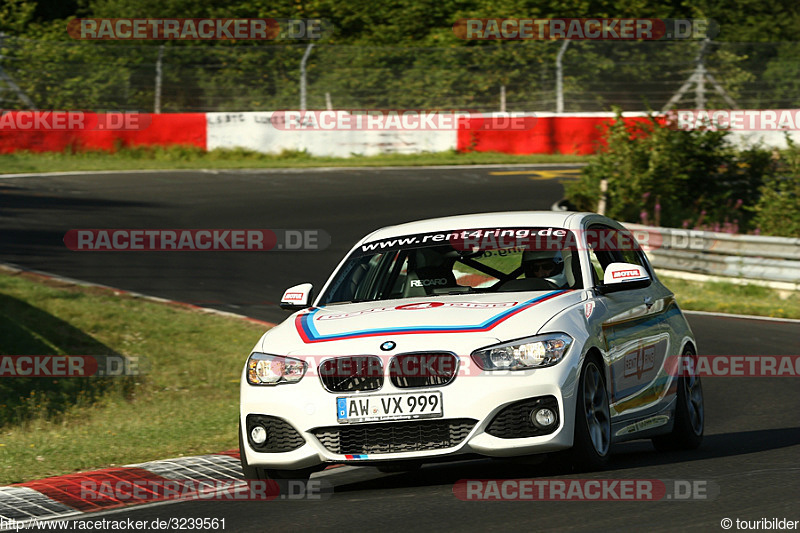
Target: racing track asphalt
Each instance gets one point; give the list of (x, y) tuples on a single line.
[(752, 443), (35, 213)]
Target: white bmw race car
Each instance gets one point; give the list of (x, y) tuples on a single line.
[(497, 334)]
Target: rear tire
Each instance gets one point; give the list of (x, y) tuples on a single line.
[(687, 430), (592, 441)]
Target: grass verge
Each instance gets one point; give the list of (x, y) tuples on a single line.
[(723, 297), (187, 404), (188, 157)]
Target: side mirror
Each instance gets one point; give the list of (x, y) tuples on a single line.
[(297, 297), (623, 276)]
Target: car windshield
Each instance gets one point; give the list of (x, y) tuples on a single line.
[(456, 262)]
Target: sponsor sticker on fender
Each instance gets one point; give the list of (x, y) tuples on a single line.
[(640, 361)]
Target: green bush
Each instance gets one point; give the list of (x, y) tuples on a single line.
[(777, 211), (664, 176)]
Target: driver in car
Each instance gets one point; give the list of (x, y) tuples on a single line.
[(546, 265)]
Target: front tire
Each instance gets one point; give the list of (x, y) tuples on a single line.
[(689, 425), (592, 440)]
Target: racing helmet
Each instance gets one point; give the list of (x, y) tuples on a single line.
[(546, 264)]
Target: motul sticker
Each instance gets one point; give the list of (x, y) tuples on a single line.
[(633, 273)]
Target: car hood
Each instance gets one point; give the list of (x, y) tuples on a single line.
[(450, 323)]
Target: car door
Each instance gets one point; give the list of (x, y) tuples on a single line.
[(633, 331)]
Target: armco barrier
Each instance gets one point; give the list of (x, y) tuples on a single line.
[(750, 257), (255, 131), (161, 130), (550, 133), (577, 133)]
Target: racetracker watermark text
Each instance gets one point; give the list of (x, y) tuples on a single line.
[(71, 366), (400, 120), (735, 119), (761, 366), (196, 240), (138, 491), (585, 490), (264, 29), (584, 29), (76, 120)]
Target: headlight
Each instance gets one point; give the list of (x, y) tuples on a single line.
[(533, 352), (265, 369)]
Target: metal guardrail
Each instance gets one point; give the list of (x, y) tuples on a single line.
[(749, 257)]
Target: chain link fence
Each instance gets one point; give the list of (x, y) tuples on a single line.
[(200, 77)]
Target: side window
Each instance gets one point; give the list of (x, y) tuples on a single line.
[(609, 245), (367, 278), (600, 253), (629, 250), (389, 274), (397, 277), (597, 267), (347, 284)]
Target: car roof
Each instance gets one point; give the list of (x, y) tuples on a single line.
[(508, 219)]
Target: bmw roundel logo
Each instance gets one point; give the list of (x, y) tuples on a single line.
[(388, 345)]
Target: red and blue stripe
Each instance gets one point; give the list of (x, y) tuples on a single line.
[(304, 323)]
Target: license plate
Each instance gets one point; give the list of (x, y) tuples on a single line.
[(374, 408)]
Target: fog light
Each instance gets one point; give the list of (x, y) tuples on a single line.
[(258, 435), (543, 418)]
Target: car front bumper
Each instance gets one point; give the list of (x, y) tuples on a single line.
[(311, 410)]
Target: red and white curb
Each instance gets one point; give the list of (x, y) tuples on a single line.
[(66, 496), (22, 504)]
